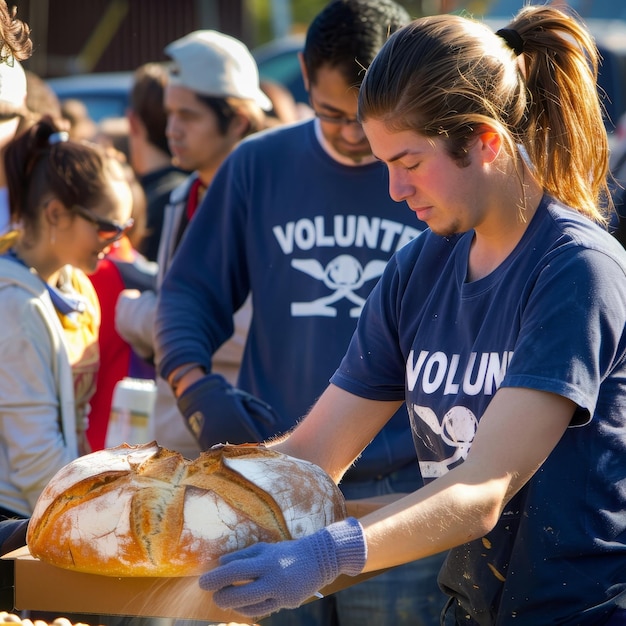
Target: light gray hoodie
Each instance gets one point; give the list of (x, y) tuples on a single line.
[(37, 410)]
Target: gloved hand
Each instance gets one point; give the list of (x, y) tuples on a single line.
[(216, 412), (283, 575)]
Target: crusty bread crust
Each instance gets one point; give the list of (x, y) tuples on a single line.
[(147, 511)]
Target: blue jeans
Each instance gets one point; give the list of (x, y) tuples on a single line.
[(407, 595)]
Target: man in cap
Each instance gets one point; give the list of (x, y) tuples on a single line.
[(149, 153), (213, 100)]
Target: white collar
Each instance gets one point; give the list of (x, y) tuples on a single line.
[(340, 158)]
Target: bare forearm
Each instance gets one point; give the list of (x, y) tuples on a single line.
[(444, 514), (134, 320), (337, 416), (512, 441)]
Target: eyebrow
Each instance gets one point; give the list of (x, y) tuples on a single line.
[(331, 108), (324, 105), (398, 156)]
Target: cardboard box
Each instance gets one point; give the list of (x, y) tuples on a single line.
[(39, 586)]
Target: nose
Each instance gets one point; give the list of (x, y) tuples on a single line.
[(170, 126), (399, 186), (353, 132)]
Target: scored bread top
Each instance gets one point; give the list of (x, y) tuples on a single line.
[(147, 511)]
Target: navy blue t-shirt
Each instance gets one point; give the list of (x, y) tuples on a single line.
[(309, 238), (551, 317)]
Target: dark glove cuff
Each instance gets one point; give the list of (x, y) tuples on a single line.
[(175, 379), (216, 412)]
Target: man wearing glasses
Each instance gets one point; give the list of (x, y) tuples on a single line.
[(300, 217)]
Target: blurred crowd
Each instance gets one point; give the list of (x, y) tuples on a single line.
[(139, 143), (90, 211)]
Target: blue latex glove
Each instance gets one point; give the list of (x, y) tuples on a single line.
[(285, 574), (216, 412)]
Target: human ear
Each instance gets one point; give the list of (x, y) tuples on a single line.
[(135, 127), (305, 74), (239, 126), (52, 211), (490, 145)]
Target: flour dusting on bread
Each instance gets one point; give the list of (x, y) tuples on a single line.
[(147, 511)]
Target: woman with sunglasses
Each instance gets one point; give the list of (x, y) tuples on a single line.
[(66, 198)]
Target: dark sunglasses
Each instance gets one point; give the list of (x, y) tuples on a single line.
[(108, 231)]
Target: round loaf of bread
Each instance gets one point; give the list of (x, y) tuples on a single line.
[(147, 511)]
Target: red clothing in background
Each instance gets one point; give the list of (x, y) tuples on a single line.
[(123, 268)]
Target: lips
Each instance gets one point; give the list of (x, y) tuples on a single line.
[(358, 148), (423, 212)]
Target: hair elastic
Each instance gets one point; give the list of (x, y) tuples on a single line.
[(513, 39), (60, 137)]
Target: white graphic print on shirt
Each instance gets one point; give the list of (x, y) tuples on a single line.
[(438, 373), (344, 274)]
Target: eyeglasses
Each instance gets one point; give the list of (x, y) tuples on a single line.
[(108, 232), (340, 120)]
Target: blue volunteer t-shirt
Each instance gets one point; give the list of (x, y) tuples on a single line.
[(551, 317), (308, 237)]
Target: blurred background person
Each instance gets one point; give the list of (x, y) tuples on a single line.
[(41, 100), (122, 267), (113, 132), (213, 100), (81, 126), (284, 107), (66, 199), (149, 153)]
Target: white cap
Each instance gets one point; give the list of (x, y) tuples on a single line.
[(12, 84), (213, 64)]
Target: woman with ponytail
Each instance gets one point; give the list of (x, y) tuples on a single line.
[(502, 327)]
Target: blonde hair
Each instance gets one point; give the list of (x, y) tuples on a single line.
[(448, 76)]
